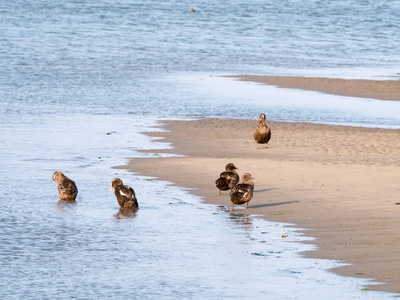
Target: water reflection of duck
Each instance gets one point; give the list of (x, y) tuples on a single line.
[(243, 192), (125, 214), (67, 190), (125, 195), (263, 132), (228, 179)]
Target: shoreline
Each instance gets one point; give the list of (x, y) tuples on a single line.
[(338, 183), (333, 181), (361, 88)]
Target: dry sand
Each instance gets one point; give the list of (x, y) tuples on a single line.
[(340, 183)]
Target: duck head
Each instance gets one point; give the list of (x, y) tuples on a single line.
[(115, 182), (58, 177), (230, 167), (247, 178)]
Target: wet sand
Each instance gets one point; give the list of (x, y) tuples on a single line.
[(375, 89), (341, 184)]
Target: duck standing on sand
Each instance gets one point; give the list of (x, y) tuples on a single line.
[(243, 192), (67, 189), (125, 194), (228, 179), (263, 132)]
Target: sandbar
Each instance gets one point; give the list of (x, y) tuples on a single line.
[(361, 88), (340, 184)]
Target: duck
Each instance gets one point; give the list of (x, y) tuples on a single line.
[(125, 194), (243, 192), (263, 132), (228, 179), (67, 190)]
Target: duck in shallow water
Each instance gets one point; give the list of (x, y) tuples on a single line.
[(67, 190), (243, 192), (228, 179), (125, 194), (263, 132)]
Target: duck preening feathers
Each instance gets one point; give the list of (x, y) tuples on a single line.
[(67, 190), (228, 179), (263, 132), (243, 192), (125, 194)]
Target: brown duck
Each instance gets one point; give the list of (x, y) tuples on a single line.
[(263, 132), (228, 179), (125, 194), (243, 192), (67, 189)]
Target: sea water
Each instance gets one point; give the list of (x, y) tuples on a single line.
[(80, 81), (173, 247)]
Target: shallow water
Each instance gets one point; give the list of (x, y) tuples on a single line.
[(80, 80), (210, 96), (173, 247)]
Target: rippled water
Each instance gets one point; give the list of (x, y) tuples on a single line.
[(73, 71), (239, 35), (173, 247)]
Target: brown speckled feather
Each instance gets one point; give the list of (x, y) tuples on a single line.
[(67, 189), (243, 192), (126, 196), (228, 179), (262, 135)]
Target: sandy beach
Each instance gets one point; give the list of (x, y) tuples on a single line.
[(341, 184)]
